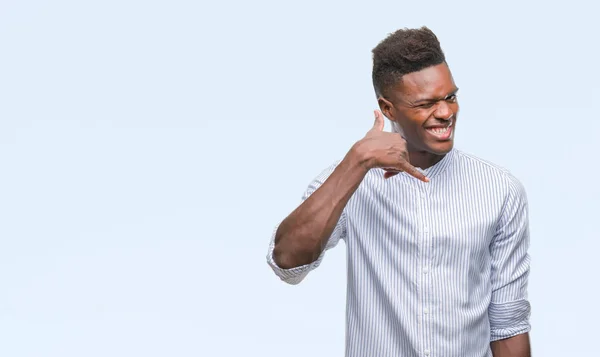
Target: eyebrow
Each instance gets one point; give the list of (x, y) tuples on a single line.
[(426, 100)]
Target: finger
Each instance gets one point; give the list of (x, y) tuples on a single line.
[(379, 122), (389, 174), (405, 155), (411, 170)]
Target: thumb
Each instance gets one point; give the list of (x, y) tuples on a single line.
[(379, 123)]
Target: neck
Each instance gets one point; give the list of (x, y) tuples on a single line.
[(424, 159)]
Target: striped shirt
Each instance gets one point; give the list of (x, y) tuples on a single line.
[(435, 269)]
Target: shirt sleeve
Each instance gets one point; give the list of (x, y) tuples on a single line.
[(509, 308), (296, 275)]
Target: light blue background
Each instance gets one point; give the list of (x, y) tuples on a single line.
[(148, 148)]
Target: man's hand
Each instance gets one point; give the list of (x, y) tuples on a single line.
[(380, 149)]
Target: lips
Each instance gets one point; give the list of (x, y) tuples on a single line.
[(442, 132)]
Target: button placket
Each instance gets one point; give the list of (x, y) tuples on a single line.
[(426, 252), (421, 244)]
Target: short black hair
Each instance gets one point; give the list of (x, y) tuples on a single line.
[(402, 52)]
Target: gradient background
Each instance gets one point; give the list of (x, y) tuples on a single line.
[(148, 148)]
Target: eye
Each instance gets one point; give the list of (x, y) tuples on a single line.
[(451, 98), (426, 105)]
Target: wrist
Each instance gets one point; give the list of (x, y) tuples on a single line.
[(359, 156)]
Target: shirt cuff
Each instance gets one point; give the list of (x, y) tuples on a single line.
[(509, 319), (291, 276)]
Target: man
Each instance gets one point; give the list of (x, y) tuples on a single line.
[(436, 238)]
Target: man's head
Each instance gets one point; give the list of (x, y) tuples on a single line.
[(415, 89)]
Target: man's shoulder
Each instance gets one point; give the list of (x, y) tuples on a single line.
[(474, 165), (328, 170), (471, 161)]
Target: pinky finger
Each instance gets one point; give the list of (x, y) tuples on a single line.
[(416, 173)]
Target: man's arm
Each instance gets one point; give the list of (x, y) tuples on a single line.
[(509, 308), (516, 346), (302, 237)]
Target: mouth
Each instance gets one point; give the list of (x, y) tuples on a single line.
[(441, 132)]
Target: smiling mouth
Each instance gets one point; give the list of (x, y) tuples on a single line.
[(442, 132)]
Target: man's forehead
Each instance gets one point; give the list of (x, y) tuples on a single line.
[(431, 82)]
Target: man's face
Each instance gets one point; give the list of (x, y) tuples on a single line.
[(423, 104)]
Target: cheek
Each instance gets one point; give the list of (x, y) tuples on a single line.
[(455, 107), (416, 120), (411, 121)]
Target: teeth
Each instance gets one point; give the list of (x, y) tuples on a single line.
[(439, 130)]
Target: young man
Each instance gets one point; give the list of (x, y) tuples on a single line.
[(436, 238)]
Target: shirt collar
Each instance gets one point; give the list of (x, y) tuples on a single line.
[(440, 166)]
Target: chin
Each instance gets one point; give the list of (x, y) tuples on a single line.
[(439, 148)]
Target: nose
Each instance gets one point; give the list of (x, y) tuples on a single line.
[(443, 111)]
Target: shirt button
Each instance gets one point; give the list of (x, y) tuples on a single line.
[(426, 352), (426, 230), (425, 270), (425, 311)]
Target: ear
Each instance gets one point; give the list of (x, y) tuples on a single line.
[(386, 107)]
